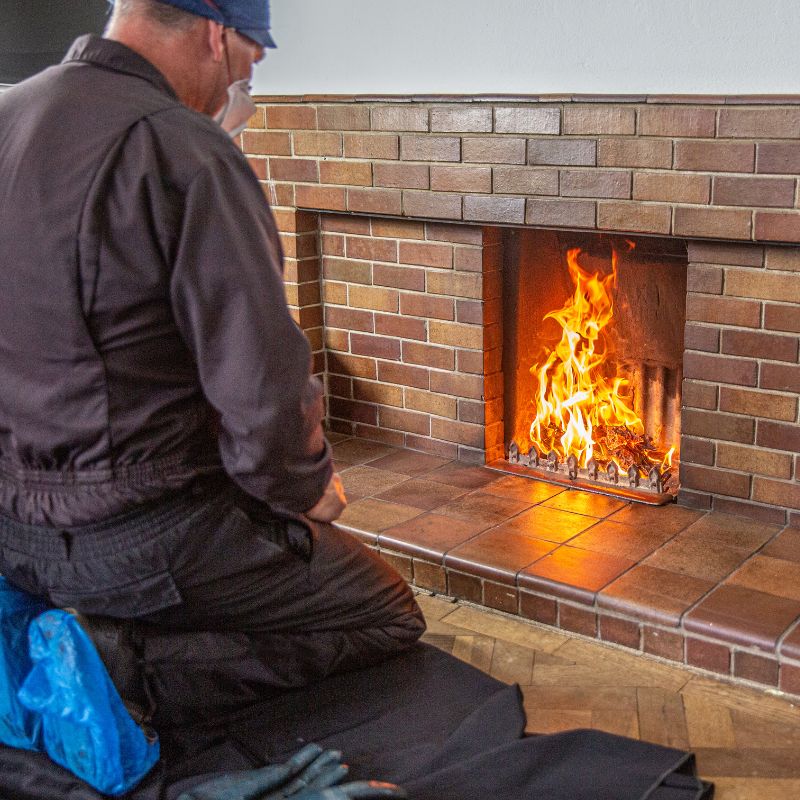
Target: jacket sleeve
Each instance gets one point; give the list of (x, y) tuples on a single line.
[(254, 362)]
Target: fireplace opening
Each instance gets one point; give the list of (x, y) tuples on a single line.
[(592, 360)]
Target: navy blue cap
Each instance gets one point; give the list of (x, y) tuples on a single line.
[(248, 17)]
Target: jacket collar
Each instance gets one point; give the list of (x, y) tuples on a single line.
[(118, 57)]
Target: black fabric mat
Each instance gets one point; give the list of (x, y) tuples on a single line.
[(439, 727)]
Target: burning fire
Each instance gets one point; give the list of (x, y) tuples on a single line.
[(580, 409)]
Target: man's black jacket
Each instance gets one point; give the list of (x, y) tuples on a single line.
[(144, 333)]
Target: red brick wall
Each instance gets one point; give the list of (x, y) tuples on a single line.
[(741, 430), (410, 338), (300, 240), (412, 331)]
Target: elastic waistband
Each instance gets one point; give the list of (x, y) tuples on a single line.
[(135, 527), (131, 473)]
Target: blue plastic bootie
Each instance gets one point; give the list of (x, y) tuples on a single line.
[(85, 725), (19, 727)]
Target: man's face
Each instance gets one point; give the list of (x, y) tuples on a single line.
[(240, 56), (243, 54)]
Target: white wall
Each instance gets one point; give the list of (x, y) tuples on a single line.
[(533, 47)]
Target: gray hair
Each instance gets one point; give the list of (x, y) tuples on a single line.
[(164, 14)]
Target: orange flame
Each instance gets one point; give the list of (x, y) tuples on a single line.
[(575, 396)]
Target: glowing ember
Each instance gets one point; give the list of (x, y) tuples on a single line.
[(580, 409)]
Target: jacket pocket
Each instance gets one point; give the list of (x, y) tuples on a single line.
[(137, 598)]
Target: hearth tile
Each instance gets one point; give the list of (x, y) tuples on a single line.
[(726, 530), (662, 643), (430, 576), (707, 655), (482, 507), (366, 481), (653, 595), (527, 489), (429, 536), (785, 545), (501, 597), (617, 539), (743, 616), (577, 620), (790, 679), (549, 524), (369, 538), (352, 497), (360, 451), (772, 575), (402, 564), (621, 631), (464, 587), (668, 519), (497, 555), (371, 516), (409, 462), (462, 475), (536, 607), (333, 437), (755, 668), (573, 573), (790, 648), (692, 555), (427, 495), (587, 503)]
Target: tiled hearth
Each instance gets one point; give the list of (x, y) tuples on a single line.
[(710, 590)]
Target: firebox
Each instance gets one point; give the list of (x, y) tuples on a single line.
[(592, 360)]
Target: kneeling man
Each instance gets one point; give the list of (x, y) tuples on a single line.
[(161, 451)]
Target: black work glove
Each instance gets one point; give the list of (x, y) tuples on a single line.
[(309, 774)]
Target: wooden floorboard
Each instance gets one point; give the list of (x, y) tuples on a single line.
[(745, 740)]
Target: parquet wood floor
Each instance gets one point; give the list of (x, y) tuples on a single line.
[(746, 741)]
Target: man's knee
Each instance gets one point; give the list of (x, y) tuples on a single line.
[(378, 596)]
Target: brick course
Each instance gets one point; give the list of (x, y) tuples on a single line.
[(527, 119), (487, 150), (461, 179), (599, 119), (684, 155), (461, 120)]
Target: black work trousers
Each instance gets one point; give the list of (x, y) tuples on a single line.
[(231, 603)]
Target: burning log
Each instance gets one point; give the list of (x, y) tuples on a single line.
[(584, 418)]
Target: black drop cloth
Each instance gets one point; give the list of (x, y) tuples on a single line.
[(425, 720)]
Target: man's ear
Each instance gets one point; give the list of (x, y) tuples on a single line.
[(214, 37)]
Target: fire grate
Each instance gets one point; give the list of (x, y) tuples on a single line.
[(657, 488)]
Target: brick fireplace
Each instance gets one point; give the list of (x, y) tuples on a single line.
[(395, 212), (403, 220)]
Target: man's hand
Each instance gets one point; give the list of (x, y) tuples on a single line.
[(310, 774), (330, 506)]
